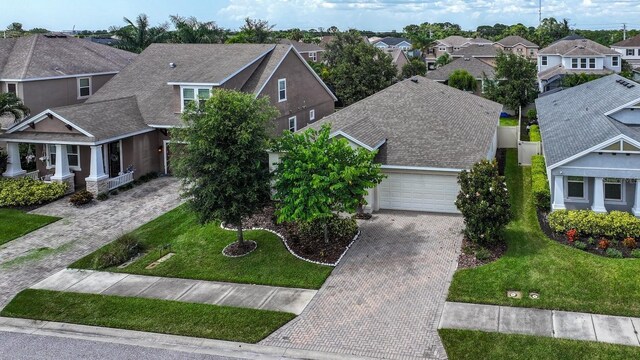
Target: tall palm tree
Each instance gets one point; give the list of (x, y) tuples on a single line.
[(135, 37), (11, 105), (191, 31)]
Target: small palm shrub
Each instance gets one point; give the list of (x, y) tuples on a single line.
[(81, 197), (117, 252)]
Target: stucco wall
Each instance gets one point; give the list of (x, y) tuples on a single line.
[(141, 151)]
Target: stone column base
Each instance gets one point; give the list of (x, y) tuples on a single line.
[(69, 180), (97, 187)]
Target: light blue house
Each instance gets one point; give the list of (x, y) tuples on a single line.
[(591, 144)]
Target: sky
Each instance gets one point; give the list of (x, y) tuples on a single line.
[(376, 15)]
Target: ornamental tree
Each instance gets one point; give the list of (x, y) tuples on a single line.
[(319, 176), (220, 156), (483, 201), (516, 81), (462, 80)]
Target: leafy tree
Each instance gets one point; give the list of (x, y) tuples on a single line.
[(319, 176), (357, 70), (136, 37), (295, 34), (483, 201), (16, 26), (551, 30), (443, 60), (515, 83), (571, 80), (191, 31), (495, 32), (321, 69), (415, 66), (462, 80), (38, 31), (626, 70), (257, 31), (220, 155), (11, 105)]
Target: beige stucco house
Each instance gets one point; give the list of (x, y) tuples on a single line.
[(121, 131)]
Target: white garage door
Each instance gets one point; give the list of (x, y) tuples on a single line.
[(418, 192)]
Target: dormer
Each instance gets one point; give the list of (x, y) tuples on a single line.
[(628, 114)]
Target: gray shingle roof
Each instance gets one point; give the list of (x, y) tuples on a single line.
[(392, 41), (577, 47), (476, 50), (561, 70), (573, 120), (42, 56), (513, 40), (630, 42), (301, 47), (366, 132), (453, 41), (426, 124), (480, 41), (475, 67)]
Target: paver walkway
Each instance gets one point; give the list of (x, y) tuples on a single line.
[(386, 296), (195, 291), (550, 323), (41, 253)]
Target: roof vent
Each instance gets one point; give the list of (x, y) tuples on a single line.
[(172, 65), (630, 86), (414, 80)]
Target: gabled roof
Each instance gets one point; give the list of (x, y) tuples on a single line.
[(479, 41), (476, 50), (630, 42), (425, 124), (453, 41), (300, 46), (573, 120), (558, 70), (576, 47), (50, 56), (474, 66), (396, 54), (392, 41), (513, 40)]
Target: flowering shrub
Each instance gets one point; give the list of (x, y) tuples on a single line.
[(26, 191), (629, 243), (615, 224), (603, 244), (572, 235)]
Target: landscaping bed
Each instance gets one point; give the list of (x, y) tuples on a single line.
[(473, 255)]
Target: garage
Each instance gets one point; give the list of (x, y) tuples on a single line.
[(418, 192)]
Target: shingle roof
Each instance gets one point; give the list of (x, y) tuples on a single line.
[(476, 50), (480, 41), (301, 47), (453, 41), (42, 56), (630, 42), (392, 41), (577, 47), (426, 124), (573, 120), (513, 40), (475, 67), (395, 54), (561, 70)]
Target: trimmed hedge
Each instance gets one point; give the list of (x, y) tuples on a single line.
[(539, 183), (615, 224), (26, 191), (534, 133)]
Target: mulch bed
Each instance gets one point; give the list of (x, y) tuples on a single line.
[(235, 250), (311, 249), (467, 258)]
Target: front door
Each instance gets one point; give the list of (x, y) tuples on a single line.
[(114, 159)]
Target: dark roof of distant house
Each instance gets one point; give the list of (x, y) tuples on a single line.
[(480, 41), (577, 47), (513, 40), (302, 47), (476, 50), (573, 120), (453, 41), (104, 41), (392, 41), (424, 123), (55, 55), (474, 66), (630, 42)]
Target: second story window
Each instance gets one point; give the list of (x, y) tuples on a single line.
[(615, 61), (282, 90), (84, 87), (574, 63), (530, 51), (543, 61), (631, 52), (190, 94), (313, 56), (592, 63), (12, 88), (583, 63)]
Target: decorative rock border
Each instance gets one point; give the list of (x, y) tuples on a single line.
[(286, 244), (245, 254)]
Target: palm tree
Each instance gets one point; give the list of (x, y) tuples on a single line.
[(191, 31), (443, 60), (136, 37), (10, 104)]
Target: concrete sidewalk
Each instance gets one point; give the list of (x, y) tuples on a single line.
[(194, 291), (550, 323)]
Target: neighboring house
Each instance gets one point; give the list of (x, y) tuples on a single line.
[(474, 66), (124, 125), (309, 52), (393, 43), (518, 45), (591, 144), (50, 70), (484, 52), (451, 45), (425, 134), (477, 41), (629, 49), (574, 55), (398, 57)]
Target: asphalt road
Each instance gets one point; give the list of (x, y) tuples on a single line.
[(27, 346)]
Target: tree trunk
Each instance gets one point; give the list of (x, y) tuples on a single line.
[(326, 232), (240, 235), (360, 208)]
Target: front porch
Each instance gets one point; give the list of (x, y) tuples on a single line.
[(598, 193)]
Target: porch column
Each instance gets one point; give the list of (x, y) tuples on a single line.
[(62, 164), (636, 203), (96, 170), (598, 196), (13, 161), (558, 193)]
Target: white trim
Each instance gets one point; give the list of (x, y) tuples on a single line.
[(165, 126), (124, 136), (585, 190), (312, 115), (188, 84), (247, 65), (40, 117), (360, 143), (88, 143), (622, 107), (600, 168), (121, 150), (165, 146), (295, 123), (623, 188), (80, 96), (280, 99), (420, 168), (195, 94), (48, 153), (60, 77), (593, 149)]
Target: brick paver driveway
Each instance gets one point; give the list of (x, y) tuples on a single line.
[(386, 296)]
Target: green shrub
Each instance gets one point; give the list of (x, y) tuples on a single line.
[(539, 183), (613, 253), (338, 228), (102, 196), (532, 114), (4, 157), (635, 253), (615, 224), (26, 191), (116, 253), (81, 197), (483, 254), (581, 245), (534, 133)]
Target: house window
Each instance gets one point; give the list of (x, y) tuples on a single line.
[(615, 61), (543, 61), (73, 156), (519, 49), (12, 88), (631, 52), (190, 94), (313, 56), (530, 51), (312, 115), (282, 90), (613, 189), (575, 187), (442, 49), (293, 126), (583, 63), (574, 63), (84, 87), (592, 63)]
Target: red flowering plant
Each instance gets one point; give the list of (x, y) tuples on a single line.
[(572, 235), (629, 242), (603, 244)]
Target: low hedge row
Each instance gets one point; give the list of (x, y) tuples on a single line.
[(534, 133), (539, 183), (615, 224), (26, 192)]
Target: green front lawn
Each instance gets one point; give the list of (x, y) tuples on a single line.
[(161, 316), (566, 278), (16, 223), (198, 255), (472, 345)]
